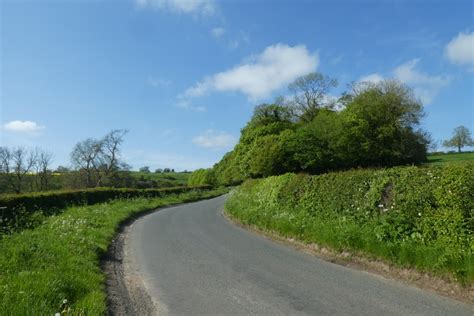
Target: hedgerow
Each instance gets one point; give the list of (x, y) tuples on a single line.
[(24, 210), (419, 217)]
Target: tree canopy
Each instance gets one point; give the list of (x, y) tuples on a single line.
[(379, 125)]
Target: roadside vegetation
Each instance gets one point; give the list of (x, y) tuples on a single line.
[(55, 267), (417, 217), (19, 211)]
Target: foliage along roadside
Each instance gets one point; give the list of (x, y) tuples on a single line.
[(23, 210), (54, 268), (410, 216)]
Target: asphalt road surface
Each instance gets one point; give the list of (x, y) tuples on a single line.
[(193, 261)]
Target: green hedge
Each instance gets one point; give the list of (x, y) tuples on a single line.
[(413, 216), (50, 202)]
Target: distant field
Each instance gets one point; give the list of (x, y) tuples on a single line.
[(439, 159), (180, 178)]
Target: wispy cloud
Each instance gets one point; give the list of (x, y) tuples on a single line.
[(187, 105), (215, 140), (218, 32), (196, 7), (460, 50), (426, 86), (372, 78), (262, 74), (28, 127)]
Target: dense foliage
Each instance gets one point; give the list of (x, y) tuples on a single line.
[(413, 216), (377, 126), (18, 209), (202, 177), (55, 268)]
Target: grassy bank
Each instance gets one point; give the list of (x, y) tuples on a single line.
[(409, 216), (439, 159), (55, 267)]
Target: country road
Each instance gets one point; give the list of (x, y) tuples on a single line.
[(193, 261)]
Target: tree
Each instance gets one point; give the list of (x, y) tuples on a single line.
[(16, 163), (98, 159), (202, 177), (110, 150), (43, 173), (144, 169), (381, 127), (311, 94), (85, 157), (461, 138), (159, 170)]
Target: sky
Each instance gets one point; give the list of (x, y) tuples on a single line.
[(184, 76)]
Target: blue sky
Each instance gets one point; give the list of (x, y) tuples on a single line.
[(184, 76)]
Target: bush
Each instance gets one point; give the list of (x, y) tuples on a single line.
[(419, 217), (15, 206)]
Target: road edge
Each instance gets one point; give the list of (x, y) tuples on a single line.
[(411, 277)]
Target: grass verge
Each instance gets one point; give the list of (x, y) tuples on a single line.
[(55, 267)]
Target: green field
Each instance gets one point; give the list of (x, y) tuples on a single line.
[(178, 178), (439, 159)]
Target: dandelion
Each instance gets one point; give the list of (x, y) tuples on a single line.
[(419, 213), (57, 314), (380, 205), (65, 301)]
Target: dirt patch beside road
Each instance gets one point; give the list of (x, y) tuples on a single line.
[(126, 294)]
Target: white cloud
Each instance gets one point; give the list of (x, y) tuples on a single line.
[(23, 127), (186, 104), (262, 74), (426, 86), (217, 32), (460, 50), (214, 140), (201, 7), (372, 78)]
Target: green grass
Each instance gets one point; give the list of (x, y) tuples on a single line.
[(439, 159), (60, 259)]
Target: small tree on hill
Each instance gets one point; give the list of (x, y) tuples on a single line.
[(461, 137)]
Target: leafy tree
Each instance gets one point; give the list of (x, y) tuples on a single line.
[(381, 127), (202, 177), (144, 169), (461, 138)]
